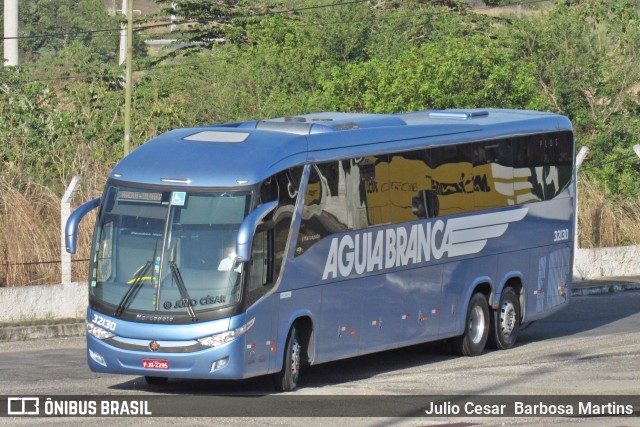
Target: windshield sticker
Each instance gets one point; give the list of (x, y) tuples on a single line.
[(178, 198)]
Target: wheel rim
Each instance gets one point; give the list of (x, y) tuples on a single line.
[(476, 324), (507, 318), (295, 359)]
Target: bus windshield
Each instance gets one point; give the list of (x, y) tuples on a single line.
[(167, 251)]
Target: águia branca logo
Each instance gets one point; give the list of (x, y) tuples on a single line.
[(371, 251)]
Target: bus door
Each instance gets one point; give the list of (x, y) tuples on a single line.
[(422, 303), (340, 320), (382, 303), (259, 352)]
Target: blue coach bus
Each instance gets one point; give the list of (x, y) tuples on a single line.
[(254, 248)]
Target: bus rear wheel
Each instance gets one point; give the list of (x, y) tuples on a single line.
[(505, 321), (287, 378), (476, 331)]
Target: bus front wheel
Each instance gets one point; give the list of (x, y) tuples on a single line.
[(476, 331), (505, 321), (287, 378)]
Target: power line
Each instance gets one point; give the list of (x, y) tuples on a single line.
[(231, 17), (13, 264), (414, 13), (57, 35), (616, 160), (73, 77), (290, 26), (186, 21)]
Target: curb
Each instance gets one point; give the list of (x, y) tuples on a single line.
[(78, 329), (604, 288), (33, 332)]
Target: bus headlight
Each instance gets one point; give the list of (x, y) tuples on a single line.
[(224, 337), (97, 358), (98, 332)]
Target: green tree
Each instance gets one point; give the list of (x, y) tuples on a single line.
[(211, 23), (587, 62), (59, 17), (456, 72)]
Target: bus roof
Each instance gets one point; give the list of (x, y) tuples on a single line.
[(245, 153)]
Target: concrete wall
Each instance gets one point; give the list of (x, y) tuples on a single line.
[(44, 302), (606, 262), (70, 300)]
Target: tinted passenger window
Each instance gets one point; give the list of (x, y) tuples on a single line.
[(451, 178), (268, 251), (543, 166), (493, 174), (411, 193), (324, 212), (407, 186), (558, 163)]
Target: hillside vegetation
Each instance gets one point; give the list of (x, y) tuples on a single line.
[(61, 111)]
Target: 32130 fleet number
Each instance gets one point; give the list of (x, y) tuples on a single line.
[(560, 235), (105, 323)]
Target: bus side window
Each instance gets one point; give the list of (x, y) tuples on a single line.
[(270, 241), (268, 190), (558, 163), (261, 269), (528, 165), (325, 205), (493, 174), (450, 177), (410, 190), (425, 204), (105, 254)]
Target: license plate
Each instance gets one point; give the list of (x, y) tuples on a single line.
[(155, 364)]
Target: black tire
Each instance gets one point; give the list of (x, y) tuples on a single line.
[(476, 331), (156, 380), (287, 378), (505, 321)]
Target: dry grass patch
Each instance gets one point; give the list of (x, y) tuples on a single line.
[(605, 220), (30, 236)]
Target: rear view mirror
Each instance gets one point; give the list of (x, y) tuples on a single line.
[(248, 229), (71, 229)]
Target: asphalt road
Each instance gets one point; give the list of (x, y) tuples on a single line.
[(592, 347)]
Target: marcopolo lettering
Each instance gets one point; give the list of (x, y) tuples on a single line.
[(379, 250)]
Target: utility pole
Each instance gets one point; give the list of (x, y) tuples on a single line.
[(580, 158), (174, 18), (10, 33), (123, 34), (128, 82), (65, 212)]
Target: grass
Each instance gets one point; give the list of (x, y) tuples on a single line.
[(30, 245), (604, 220)]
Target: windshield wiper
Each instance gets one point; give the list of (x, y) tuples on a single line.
[(186, 301), (136, 284)]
